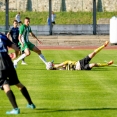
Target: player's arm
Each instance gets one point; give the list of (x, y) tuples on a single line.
[(20, 35), (60, 65), (13, 46), (20, 38), (33, 35), (8, 34)]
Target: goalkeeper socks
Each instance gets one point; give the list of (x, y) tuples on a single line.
[(99, 49), (42, 58), (12, 99), (26, 95), (102, 64), (20, 58)]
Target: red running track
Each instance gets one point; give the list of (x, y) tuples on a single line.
[(73, 47)]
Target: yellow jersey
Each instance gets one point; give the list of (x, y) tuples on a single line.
[(69, 65)]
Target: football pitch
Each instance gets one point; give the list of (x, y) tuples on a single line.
[(66, 93)]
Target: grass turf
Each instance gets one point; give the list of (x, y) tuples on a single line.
[(40, 18), (66, 93)]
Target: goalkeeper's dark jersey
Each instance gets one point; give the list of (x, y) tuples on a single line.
[(14, 32)]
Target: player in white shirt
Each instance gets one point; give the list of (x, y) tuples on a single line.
[(17, 17), (53, 16)]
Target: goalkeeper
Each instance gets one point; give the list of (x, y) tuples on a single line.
[(82, 64)]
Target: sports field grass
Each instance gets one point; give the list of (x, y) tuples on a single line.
[(40, 18), (66, 93)]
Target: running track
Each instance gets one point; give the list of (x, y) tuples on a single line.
[(74, 47)]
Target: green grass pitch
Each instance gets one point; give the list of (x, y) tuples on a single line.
[(66, 93)]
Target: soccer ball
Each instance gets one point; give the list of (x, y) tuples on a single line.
[(49, 66)]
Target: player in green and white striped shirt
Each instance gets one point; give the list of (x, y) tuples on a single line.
[(25, 44)]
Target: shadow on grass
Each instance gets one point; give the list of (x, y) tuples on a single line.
[(47, 110), (104, 68), (52, 110)]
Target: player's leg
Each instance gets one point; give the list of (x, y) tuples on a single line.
[(12, 100), (13, 80), (23, 60), (21, 52), (4, 84), (41, 56), (25, 93), (38, 51), (26, 53), (100, 64), (91, 55)]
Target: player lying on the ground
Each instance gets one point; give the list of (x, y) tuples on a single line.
[(82, 64)]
